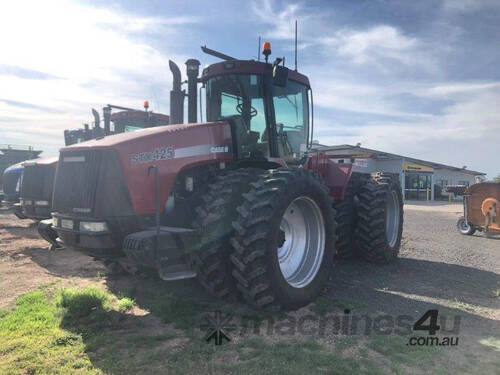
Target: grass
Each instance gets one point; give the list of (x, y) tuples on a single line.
[(88, 331), (125, 304), (401, 355), (147, 341), (33, 342), (80, 331), (182, 313), (324, 305), (81, 302)]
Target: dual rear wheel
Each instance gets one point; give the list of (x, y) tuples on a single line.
[(270, 236), (370, 218)]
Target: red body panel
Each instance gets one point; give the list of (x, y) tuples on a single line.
[(335, 175), (180, 147)]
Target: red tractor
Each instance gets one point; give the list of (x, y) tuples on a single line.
[(240, 201), (37, 181)]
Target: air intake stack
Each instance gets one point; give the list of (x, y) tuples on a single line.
[(192, 70)]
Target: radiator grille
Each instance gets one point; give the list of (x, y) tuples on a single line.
[(10, 182), (38, 182), (76, 182)]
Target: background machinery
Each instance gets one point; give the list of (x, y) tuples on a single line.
[(38, 176), (242, 201), (10, 188), (481, 208), (11, 170)]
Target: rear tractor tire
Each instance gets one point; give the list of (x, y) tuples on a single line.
[(465, 228), (380, 218), (347, 213), (284, 240), (213, 221)]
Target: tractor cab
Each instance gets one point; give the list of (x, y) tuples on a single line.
[(269, 114), (268, 105)]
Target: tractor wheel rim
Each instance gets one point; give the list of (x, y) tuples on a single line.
[(301, 254), (392, 218)]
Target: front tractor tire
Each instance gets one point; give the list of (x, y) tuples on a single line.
[(213, 221), (379, 224), (284, 240)]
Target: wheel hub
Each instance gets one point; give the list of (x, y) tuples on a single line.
[(300, 254)]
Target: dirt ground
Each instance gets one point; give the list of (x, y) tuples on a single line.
[(438, 269)]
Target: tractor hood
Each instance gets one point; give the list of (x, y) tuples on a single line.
[(113, 171), (145, 137), (16, 168), (42, 161)]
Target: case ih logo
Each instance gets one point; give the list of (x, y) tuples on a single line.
[(160, 153), (218, 149)]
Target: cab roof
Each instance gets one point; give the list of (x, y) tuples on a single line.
[(247, 67)]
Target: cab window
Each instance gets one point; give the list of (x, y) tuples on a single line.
[(241, 98), (292, 117)]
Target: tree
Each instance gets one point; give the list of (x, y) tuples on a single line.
[(497, 178)]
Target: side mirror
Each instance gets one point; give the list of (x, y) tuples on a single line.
[(280, 75)]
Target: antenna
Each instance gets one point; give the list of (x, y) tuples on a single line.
[(295, 45), (258, 50), (220, 55)]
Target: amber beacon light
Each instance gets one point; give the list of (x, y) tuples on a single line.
[(266, 49)]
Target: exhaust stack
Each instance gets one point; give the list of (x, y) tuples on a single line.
[(176, 95), (97, 119), (106, 112)]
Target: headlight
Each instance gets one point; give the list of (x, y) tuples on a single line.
[(18, 185), (41, 203), (67, 224), (92, 226), (26, 202), (54, 221)]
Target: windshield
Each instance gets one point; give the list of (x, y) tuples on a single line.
[(241, 98)]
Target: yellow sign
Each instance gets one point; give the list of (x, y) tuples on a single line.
[(417, 168)]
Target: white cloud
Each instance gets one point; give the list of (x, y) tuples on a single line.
[(378, 45), (469, 5), (374, 46), (282, 21), (369, 45), (467, 133), (457, 88), (96, 53), (341, 94)]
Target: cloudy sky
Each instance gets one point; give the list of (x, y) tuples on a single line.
[(420, 78)]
